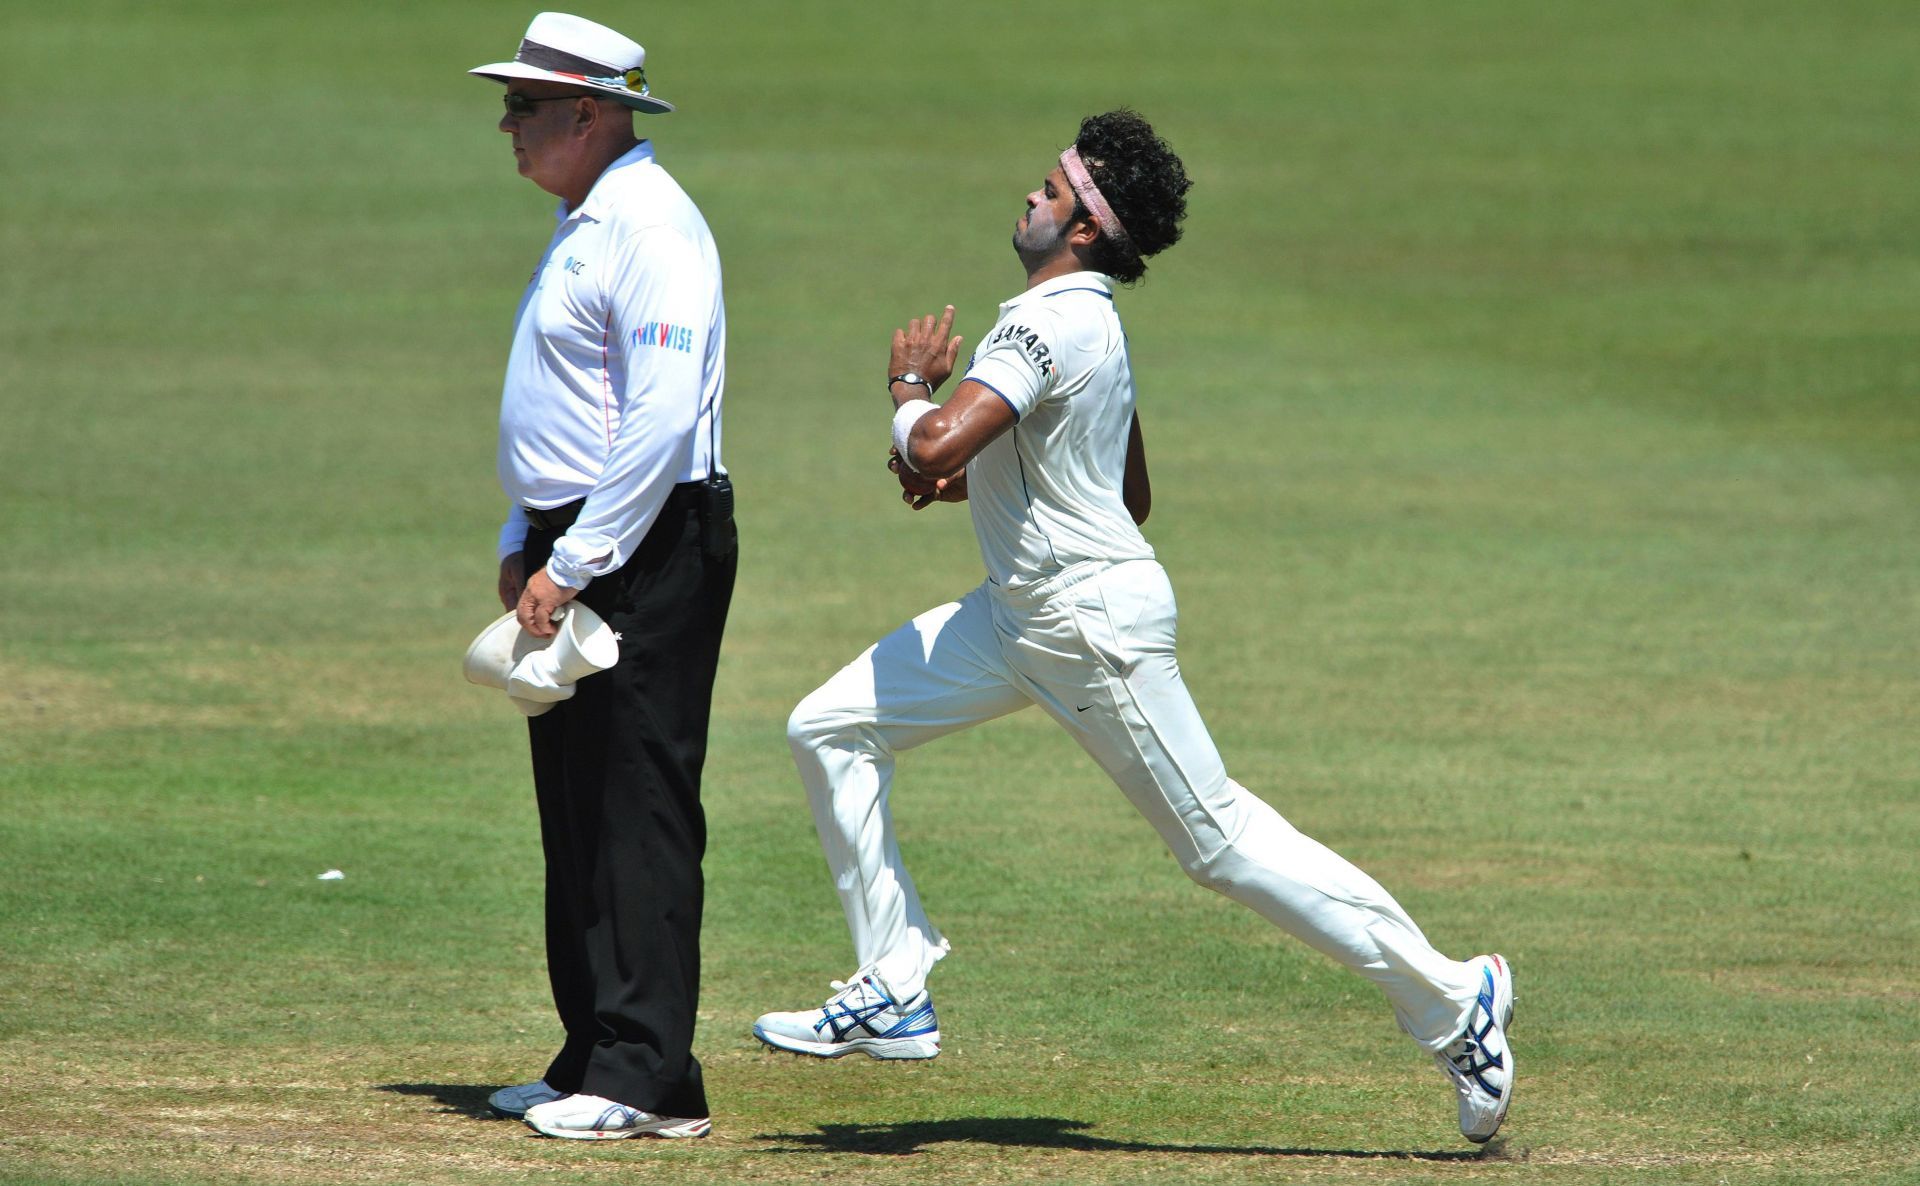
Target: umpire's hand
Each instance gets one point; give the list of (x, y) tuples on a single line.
[(538, 602), (513, 580)]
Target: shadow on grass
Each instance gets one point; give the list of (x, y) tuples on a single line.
[(1050, 1132), (1030, 1132), (459, 1098)]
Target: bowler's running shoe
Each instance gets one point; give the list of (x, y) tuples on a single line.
[(1479, 1061), (511, 1103), (862, 1015), (593, 1118)]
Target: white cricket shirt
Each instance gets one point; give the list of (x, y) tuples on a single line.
[(1047, 493), (619, 356)]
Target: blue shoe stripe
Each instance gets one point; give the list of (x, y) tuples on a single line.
[(844, 1020), (916, 1024), (841, 1019), (1493, 1062), (618, 1116)]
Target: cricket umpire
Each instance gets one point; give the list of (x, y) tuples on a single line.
[(610, 455), (1043, 441)]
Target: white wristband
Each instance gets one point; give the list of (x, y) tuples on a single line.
[(904, 419)]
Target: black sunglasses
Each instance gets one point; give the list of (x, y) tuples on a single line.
[(521, 106)]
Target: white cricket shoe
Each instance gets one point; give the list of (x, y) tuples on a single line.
[(1479, 1061), (862, 1015), (511, 1103), (592, 1118)]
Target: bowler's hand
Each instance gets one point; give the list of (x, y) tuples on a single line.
[(513, 580), (924, 348), (919, 491), (538, 602)]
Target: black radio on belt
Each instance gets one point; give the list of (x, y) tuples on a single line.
[(717, 535)]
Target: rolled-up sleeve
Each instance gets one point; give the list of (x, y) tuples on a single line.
[(659, 293), (513, 532)]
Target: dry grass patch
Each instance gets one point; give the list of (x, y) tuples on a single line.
[(1813, 985)]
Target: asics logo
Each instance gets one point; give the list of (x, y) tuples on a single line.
[(867, 1011), (1488, 1060)]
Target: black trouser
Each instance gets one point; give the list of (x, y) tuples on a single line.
[(617, 773)]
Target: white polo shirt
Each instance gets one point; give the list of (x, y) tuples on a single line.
[(619, 355), (1047, 493)]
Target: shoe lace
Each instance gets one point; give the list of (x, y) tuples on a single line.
[(854, 1004), (841, 987)]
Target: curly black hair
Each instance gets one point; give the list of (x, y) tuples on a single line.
[(1142, 180)]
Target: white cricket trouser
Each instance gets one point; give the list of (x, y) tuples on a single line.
[(1094, 647)]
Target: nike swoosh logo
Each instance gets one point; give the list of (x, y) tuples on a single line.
[(1079, 709)]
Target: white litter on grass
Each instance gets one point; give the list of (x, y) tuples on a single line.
[(332, 875)]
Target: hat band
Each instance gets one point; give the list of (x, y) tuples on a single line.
[(545, 57)]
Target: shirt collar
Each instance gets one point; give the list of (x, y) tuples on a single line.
[(641, 153), (1092, 281)]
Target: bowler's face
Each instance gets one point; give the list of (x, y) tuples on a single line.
[(1043, 227)]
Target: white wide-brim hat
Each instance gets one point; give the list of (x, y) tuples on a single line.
[(536, 673), (578, 52)]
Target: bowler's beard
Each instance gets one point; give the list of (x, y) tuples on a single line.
[(1037, 241)]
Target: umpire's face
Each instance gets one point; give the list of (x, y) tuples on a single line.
[(549, 124)]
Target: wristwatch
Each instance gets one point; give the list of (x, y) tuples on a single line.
[(912, 377)]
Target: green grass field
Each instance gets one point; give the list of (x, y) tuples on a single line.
[(1532, 409)]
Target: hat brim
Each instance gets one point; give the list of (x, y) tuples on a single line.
[(497, 649), (502, 71)]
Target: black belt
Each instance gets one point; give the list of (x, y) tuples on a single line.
[(555, 519), (558, 519)]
